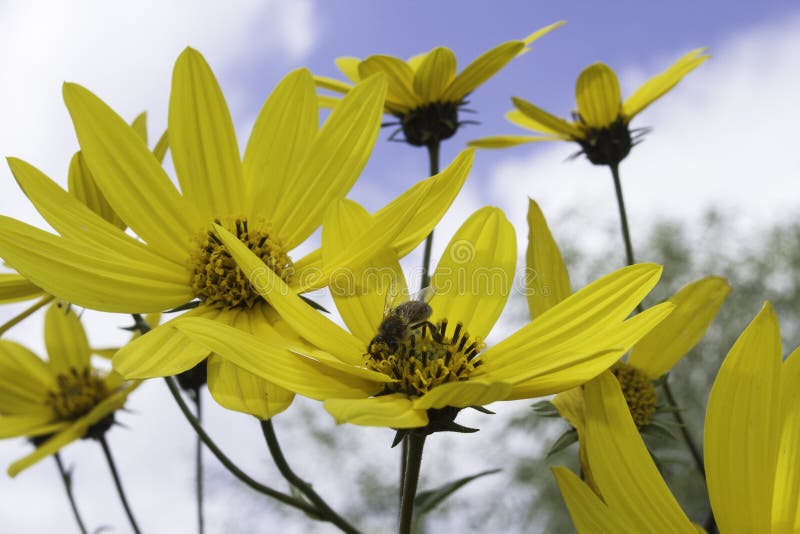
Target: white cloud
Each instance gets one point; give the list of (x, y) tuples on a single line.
[(726, 136)]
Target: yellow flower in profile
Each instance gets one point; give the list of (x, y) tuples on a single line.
[(751, 446), (601, 122), (273, 198), (57, 401), (370, 374), (425, 93), (696, 306)]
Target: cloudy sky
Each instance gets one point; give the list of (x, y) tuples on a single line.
[(725, 137)]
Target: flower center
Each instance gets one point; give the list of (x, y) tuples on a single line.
[(218, 281), (77, 393), (607, 146), (639, 392), (424, 357), (430, 123)]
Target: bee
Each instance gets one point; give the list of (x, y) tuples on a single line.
[(400, 319)]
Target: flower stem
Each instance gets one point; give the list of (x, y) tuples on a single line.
[(416, 442), (433, 159), (324, 510), (25, 314), (118, 482), (199, 463), (623, 217), (66, 477), (224, 460)]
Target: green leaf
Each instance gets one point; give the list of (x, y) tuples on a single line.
[(657, 429), (567, 438), (430, 499), (545, 408)]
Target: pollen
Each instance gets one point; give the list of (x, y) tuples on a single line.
[(76, 394), (639, 392), (217, 280), (428, 357)]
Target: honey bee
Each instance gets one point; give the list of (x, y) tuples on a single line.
[(400, 319)]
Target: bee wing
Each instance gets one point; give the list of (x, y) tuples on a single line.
[(423, 295), (394, 297)]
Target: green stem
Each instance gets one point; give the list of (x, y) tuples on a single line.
[(26, 313), (66, 477), (143, 328), (199, 464), (324, 510), (433, 160), (118, 482), (623, 218), (224, 460), (416, 442)]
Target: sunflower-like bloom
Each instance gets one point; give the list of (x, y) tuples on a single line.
[(425, 93), (421, 377), (272, 200), (58, 401), (696, 306), (601, 122), (751, 446)]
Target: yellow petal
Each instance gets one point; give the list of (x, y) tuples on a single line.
[(481, 69), (384, 231), (575, 363), (349, 67), (696, 306), (75, 431), (399, 76), (623, 469), (130, 177), (281, 138), (162, 145), (571, 406), (786, 495), (415, 61), (242, 391), (14, 288), (29, 425), (139, 125), (742, 428), (658, 85), (539, 120), (74, 220), (598, 96), (327, 102), (589, 513), (89, 276), (24, 380), (434, 74), (163, 351), (332, 84), (589, 312), (475, 275), (542, 32), (340, 151), (83, 186), (463, 394), (67, 346), (203, 141), (269, 359), (505, 141), (395, 411), (360, 294), (547, 279), (443, 189)]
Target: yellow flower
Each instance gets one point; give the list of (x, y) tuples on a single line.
[(61, 400), (751, 446), (424, 376), (272, 199), (696, 306), (425, 92), (601, 122)]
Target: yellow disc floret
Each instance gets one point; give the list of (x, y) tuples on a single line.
[(217, 280), (76, 394), (425, 358), (639, 392)]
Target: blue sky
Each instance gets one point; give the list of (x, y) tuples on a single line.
[(725, 136)]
